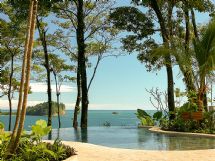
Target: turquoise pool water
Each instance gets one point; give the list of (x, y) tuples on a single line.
[(123, 132), (132, 138)]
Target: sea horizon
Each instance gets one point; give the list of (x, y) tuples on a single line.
[(95, 118)]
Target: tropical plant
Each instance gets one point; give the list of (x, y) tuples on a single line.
[(145, 119), (204, 48), (39, 130), (206, 125), (31, 146)]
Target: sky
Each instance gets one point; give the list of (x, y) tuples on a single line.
[(120, 83)]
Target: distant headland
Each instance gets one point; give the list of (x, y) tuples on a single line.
[(41, 109)]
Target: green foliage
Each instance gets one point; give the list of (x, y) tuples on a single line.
[(4, 136), (1, 125), (141, 113), (145, 119), (178, 124), (42, 109), (131, 19), (205, 51), (29, 150), (134, 21), (157, 115), (188, 107), (207, 125), (191, 105), (39, 130)]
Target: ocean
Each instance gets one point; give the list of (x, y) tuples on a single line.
[(95, 118)]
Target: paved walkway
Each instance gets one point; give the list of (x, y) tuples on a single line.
[(90, 152)]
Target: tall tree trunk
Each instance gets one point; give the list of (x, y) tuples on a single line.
[(205, 101), (205, 97), (211, 94), (42, 34), (27, 76), (82, 63), (164, 33), (58, 95), (170, 92), (9, 92), (78, 100), (58, 109), (187, 70), (201, 93), (194, 23), (10, 147), (10, 111)]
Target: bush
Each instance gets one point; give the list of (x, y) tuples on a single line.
[(207, 125), (32, 148), (146, 119)]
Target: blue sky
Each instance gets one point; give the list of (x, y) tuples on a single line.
[(119, 83)]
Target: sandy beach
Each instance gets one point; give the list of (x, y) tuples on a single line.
[(91, 152)]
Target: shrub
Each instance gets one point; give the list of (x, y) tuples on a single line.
[(32, 148), (207, 125), (146, 119)]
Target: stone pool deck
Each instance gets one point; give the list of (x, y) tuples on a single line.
[(158, 130), (91, 152)]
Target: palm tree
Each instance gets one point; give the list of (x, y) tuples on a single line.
[(204, 48)]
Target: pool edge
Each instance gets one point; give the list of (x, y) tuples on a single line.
[(158, 130)]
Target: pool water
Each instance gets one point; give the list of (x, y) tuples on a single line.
[(132, 138)]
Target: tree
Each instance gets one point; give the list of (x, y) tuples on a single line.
[(84, 20), (43, 39), (11, 47), (58, 66), (205, 57), (172, 31), (25, 79), (142, 26), (9, 85)]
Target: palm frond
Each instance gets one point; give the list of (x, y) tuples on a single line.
[(205, 50)]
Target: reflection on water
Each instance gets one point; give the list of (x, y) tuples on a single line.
[(84, 135), (50, 135), (132, 138), (77, 135)]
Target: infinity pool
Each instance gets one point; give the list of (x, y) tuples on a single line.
[(132, 138)]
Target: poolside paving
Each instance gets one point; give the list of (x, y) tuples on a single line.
[(91, 152)]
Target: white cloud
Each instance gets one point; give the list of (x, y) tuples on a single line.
[(42, 87), (4, 103)]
